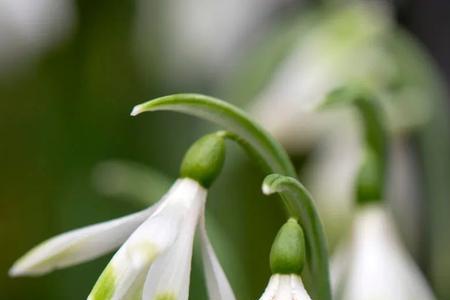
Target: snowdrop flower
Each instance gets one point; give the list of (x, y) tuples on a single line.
[(323, 59), (342, 46), (154, 260), (287, 258), (374, 264), (351, 43)]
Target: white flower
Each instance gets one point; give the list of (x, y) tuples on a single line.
[(320, 61), (374, 265), (285, 287), (154, 261)]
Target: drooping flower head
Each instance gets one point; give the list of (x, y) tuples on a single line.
[(287, 259), (373, 264), (154, 259)]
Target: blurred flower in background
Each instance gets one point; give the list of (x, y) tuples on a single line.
[(373, 264), (201, 39), (354, 41), (28, 28)]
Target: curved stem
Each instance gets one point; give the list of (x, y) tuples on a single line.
[(270, 154), (371, 178), (300, 203), (369, 109), (244, 130)]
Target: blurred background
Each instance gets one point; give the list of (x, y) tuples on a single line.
[(70, 72)]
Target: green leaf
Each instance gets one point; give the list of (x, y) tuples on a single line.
[(300, 203), (245, 131), (130, 180)]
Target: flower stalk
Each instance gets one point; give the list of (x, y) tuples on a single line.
[(370, 182)]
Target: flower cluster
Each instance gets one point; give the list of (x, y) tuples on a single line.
[(153, 261)]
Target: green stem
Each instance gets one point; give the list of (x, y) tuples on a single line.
[(371, 177), (242, 129), (271, 155)]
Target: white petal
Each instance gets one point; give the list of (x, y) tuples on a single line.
[(285, 287), (331, 172), (125, 275), (169, 276), (78, 245), (381, 267), (311, 70), (126, 272), (298, 290), (284, 291), (272, 288), (339, 265), (216, 281)]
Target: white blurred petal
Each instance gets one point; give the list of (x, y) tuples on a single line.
[(28, 27), (169, 275), (216, 281), (323, 61), (199, 38), (125, 275), (285, 287), (339, 263), (330, 175), (381, 268), (78, 245), (404, 192)]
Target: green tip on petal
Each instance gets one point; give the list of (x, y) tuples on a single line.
[(166, 296), (204, 159), (105, 286), (287, 255)]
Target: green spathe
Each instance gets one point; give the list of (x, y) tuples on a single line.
[(288, 250), (204, 159)]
